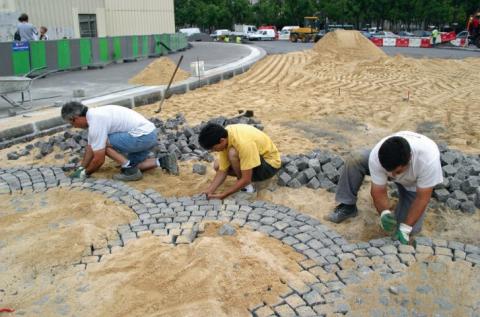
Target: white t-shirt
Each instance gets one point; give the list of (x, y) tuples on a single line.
[(424, 169), (105, 120)]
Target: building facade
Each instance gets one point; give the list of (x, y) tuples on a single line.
[(89, 18)]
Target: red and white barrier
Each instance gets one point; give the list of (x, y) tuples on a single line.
[(417, 42)]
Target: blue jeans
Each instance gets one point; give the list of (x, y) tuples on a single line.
[(135, 148)]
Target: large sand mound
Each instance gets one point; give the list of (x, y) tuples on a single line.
[(159, 72), (348, 46)]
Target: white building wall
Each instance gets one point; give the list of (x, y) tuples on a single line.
[(114, 17)]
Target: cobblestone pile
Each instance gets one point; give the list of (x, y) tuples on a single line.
[(460, 189), (329, 263), (174, 136)]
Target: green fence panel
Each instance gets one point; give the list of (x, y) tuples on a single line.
[(145, 46), (135, 46), (85, 52), (38, 57), (117, 48), (63, 54), (103, 49), (165, 38), (158, 47), (21, 62)]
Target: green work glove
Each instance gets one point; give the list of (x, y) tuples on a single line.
[(387, 221), (79, 173), (403, 233)]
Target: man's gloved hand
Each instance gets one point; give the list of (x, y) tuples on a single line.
[(79, 173), (403, 233), (388, 221)]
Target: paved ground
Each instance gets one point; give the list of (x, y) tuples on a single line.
[(59, 87), (278, 47)]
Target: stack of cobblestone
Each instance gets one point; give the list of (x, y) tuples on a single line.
[(319, 169), (461, 186), (174, 136), (460, 189)]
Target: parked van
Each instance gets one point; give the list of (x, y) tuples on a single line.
[(285, 32), (190, 31), (262, 35)]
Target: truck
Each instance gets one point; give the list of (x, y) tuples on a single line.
[(243, 30)]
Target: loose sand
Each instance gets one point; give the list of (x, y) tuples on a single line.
[(214, 276), (159, 72), (43, 234)]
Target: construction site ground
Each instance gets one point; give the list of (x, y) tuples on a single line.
[(340, 94)]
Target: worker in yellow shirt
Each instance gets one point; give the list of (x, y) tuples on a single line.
[(244, 152)]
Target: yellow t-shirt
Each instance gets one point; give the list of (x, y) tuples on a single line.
[(250, 144)]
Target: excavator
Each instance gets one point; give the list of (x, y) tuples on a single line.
[(307, 32)]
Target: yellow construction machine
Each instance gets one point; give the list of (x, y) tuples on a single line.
[(307, 32)]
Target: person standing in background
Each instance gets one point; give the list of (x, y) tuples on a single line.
[(43, 33), (26, 31)]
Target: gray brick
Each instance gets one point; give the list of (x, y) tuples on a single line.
[(406, 258), (295, 301), (285, 311), (389, 249), (374, 251), (264, 311), (305, 311), (406, 249), (443, 251), (313, 298), (474, 258)]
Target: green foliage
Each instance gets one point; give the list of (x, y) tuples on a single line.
[(219, 14)]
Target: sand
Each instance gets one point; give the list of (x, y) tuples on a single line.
[(159, 72), (214, 276), (43, 234)]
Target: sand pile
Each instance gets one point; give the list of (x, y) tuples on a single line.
[(346, 45), (159, 72), (45, 233), (214, 276)]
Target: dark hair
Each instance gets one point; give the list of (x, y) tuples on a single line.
[(394, 152), (211, 135), (73, 109), (23, 17)]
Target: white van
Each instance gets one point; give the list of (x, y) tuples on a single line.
[(190, 31), (262, 35), (285, 32)]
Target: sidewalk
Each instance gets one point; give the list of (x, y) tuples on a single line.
[(59, 87)]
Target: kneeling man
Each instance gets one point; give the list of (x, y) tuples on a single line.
[(412, 162), (244, 152), (115, 131)]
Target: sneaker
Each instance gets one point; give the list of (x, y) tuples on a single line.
[(248, 189), (168, 161), (128, 174), (342, 212)]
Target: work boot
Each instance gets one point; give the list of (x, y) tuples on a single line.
[(128, 174), (168, 161), (342, 212)]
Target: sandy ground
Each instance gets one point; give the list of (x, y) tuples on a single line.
[(214, 276), (449, 289), (45, 233), (159, 72)]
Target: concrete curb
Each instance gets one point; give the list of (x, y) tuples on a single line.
[(130, 98)]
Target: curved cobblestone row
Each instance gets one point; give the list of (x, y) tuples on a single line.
[(330, 262)]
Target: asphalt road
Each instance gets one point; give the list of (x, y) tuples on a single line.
[(279, 47)]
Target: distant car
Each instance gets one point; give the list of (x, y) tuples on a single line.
[(422, 33), (319, 36), (462, 35), (190, 31), (367, 34), (384, 34), (218, 33), (405, 34)]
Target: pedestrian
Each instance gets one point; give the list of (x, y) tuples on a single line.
[(26, 31), (435, 34), (43, 33), (120, 133), (243, 152), (412, 162)]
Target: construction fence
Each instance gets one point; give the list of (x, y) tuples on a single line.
[(19, 58)]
